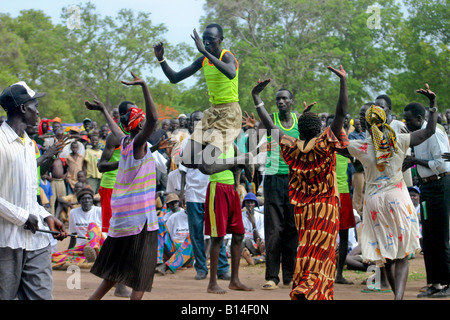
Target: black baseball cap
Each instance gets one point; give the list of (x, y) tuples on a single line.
[(18, 94)]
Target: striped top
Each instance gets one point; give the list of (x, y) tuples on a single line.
[(133, 197)]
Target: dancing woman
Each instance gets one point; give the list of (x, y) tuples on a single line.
[(313, 192), (390, 229), (128, 255)]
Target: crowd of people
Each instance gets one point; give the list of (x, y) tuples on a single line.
[(303, 193)]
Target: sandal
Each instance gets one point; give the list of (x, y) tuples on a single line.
[(269, 285)]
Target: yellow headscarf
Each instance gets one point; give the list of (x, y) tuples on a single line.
[(383, 136)]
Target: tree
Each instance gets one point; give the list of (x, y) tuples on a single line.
[(293, 41), (422, 43), (103, 51)]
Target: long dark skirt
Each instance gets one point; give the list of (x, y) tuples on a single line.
[(129, 260)]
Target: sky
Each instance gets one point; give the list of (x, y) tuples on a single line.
[(179, 16)]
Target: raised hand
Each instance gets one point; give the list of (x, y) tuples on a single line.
[(307, 108), (159, 50), (260, 86), (165, 143), (249, 121), (137, 81), (198, 42), (341, 73), (429, 94), (95, 105)]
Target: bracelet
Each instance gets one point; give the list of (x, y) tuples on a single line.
[(164, 59), (259, 105)]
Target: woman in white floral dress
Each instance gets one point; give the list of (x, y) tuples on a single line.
[(390, 229)]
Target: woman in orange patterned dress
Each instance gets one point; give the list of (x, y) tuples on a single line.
[(313, 191)]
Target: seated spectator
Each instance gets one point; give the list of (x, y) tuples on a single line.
[(67, 203), (85, 223), (253, 244), (177, 245)]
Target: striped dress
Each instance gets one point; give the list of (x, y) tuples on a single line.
[(313, 192), (133, 197)]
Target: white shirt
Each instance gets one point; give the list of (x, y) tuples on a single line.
[(196, 182), (431, 150), (173, 181), (259, 221), (79, 221), (160, 161), (178, 226), (18, 193)]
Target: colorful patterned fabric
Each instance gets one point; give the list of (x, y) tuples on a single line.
[(133, 198), (183, 255), (165, 243), (313, 191), (136, 116), (390, 227), (75, 255), (383, 136), (175, 254)]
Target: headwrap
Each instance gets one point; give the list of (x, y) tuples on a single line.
[(135, 116), (383, 136), (41, 129)]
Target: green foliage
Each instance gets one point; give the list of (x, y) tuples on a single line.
[(290, 41)]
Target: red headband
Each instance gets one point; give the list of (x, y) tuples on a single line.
[(136, 116)]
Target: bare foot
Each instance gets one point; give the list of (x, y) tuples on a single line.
[(237, 285), (214, 288)]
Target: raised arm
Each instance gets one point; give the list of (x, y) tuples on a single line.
[(342, 104), (266, 120), (419, 136), (99, 106), (151, 116), (174, 76)]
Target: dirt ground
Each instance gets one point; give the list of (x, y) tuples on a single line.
[(80, 284)]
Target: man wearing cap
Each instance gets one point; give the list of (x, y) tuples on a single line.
[(253, 244), (25, 270), (87, 125), (177, 245)]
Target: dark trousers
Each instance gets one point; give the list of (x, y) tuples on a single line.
[(435, 216), (281, 236)]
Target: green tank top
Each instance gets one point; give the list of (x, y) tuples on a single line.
[(275, 164), (341, 173), (221, 89), (109, 178), (225, 177)]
